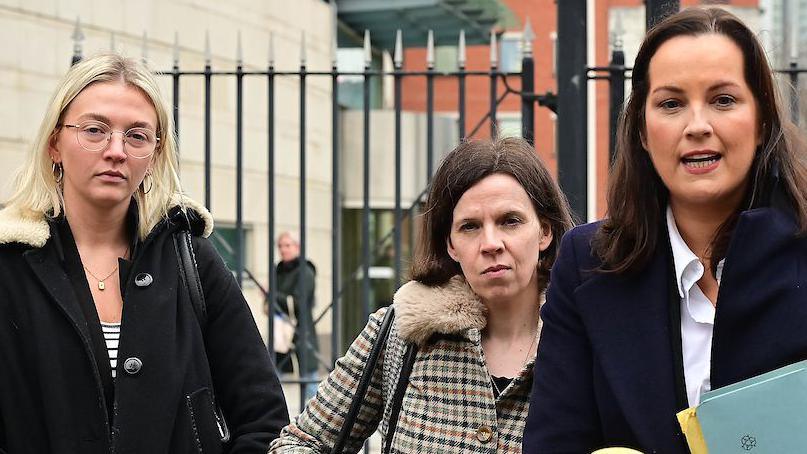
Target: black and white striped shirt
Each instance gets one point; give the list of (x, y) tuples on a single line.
[(112, 338)]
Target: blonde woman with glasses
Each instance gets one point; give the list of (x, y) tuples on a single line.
[(103, 348)]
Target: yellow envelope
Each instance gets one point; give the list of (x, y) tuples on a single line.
[(688, 419)]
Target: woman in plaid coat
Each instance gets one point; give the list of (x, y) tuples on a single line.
[(489, 236)]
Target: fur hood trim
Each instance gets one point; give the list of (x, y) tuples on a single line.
[(33, 230), (198, 208), (19, 227), (421, 311)]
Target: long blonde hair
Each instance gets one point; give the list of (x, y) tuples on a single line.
[(38, 196)]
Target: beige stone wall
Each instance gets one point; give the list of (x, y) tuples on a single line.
[(37, 49)]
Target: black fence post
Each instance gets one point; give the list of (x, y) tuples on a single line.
[(175, 77), (307, 353), (617, 96), (572, 110), (461, 84), (365, 224), (398, 61), (208, 110), (794, 100), (494, 67), (430, 107), (336, 225), (528, 87), (270, 171), (657, 10), (239, 165)]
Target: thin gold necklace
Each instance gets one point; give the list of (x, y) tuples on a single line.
[(101, 285)]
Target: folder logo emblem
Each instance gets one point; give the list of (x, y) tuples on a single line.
[(748, 442)]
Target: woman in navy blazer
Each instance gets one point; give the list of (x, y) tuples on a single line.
[(707, 204)]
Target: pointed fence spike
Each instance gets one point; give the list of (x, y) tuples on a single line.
[(461, 50), (145, 49), (398, 59), (616, 36), (794, 32), (494, 52), (368, 51), (208, 51), (271, 49), (78, 37), (334, 35), (527, 37), (176, 48), (302, 49), (430, 50), (239, 51)]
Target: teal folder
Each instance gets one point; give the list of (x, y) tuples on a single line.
[(760, 415)]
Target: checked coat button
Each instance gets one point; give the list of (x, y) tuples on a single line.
[(484, 434)]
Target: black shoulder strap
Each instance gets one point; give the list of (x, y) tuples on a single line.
[(400, 390), (364, 382), (189, 274)]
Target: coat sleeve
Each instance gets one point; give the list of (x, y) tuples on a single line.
[(315, 429), (244, 379), (563, 416)]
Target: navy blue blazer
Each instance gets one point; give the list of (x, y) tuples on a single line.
[(608, 371)]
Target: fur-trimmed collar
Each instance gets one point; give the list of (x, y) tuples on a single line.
[(421, 311), (17, 227)]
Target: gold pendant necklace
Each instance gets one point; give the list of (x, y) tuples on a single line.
[(101, 285)]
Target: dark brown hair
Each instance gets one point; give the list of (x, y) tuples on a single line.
[(637, 198), (462, 168)]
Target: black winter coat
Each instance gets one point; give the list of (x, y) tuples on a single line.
[(51, 392)]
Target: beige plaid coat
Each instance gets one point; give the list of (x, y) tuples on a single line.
[(449, 404)]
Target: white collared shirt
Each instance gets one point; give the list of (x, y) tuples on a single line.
[(697, 314)]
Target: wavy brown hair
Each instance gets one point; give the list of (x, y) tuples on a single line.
[(637, 198), (462, 168)]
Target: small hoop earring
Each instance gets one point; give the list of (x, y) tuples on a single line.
[(151, 183), (58, 172)]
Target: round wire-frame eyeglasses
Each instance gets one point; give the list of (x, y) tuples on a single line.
[(95, 136)]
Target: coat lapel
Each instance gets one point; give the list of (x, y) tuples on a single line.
[(763, 282), (44, 262), (628, 319)]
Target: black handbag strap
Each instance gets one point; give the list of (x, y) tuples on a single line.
[(189, 274), (364, 382), (400, 390)]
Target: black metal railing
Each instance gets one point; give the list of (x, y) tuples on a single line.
[(370, 253)]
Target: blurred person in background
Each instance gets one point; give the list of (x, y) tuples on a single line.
[(295, 299)]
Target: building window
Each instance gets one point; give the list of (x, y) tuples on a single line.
[(554, 38), (509, 124), (445, 58), (225, 240), (510, 52)]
